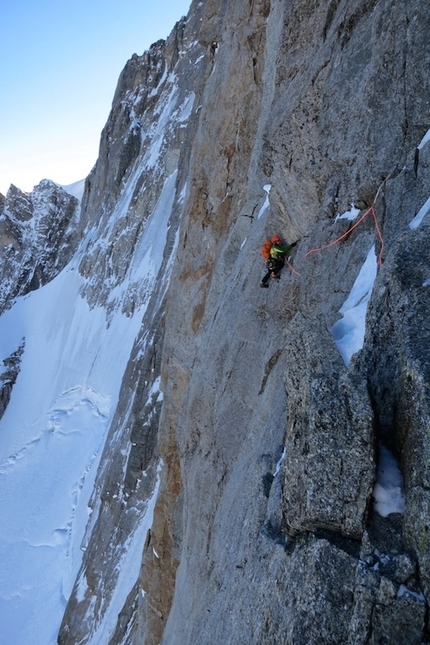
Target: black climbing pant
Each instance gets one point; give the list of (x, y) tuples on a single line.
[(274, 267)]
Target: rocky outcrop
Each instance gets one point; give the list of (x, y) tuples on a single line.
[(329, 463), (8, 377), (324, 117), (39, 233), (397, 365), (140, 148)]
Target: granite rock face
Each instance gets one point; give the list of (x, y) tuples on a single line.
[(259, 444), (11, 367), (329, 463), (140, 147), (39, 232), (325, 119), (135, 190)]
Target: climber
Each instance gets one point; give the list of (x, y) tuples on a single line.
[(275, 255)]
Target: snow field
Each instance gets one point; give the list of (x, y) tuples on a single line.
[(51, 436), (53, 432)]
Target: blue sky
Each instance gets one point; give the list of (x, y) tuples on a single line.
[(60, 63)]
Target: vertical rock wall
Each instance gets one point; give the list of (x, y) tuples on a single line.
[(266, 446), (323, 102)]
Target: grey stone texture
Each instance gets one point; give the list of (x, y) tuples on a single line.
[(39, 233), (8, 377), (265, 531), (142, 145), (329, 465), (328, 116)]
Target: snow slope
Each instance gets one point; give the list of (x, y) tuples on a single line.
[(348, 332), (50, 440), (76, 189), (53, 431)]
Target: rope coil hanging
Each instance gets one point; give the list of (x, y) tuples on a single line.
[(341, 237), (371, 209)]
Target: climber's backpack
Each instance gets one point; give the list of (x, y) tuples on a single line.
[(265, 249)]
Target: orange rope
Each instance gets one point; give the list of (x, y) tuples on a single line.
[(291, 267), (341, 237), (381, 239)]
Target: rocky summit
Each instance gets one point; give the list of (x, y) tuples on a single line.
[(263, 477)]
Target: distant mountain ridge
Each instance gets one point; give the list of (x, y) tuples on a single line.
[(39, 232)]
